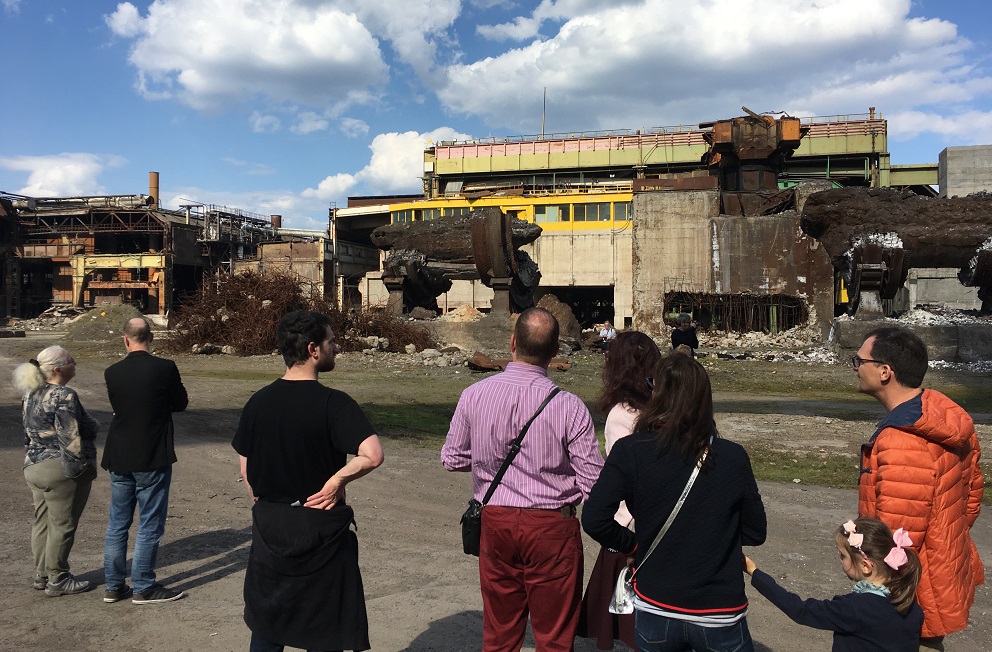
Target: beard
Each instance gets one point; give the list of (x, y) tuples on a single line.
[(325, 365)]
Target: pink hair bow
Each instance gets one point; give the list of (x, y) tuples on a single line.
[(853, 538), (897, 556)]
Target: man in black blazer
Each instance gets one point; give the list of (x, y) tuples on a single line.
[(144, 391)]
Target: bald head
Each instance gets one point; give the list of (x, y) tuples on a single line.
[(535, 337), (137, 334)]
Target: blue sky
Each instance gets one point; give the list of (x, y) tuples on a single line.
[(288, 106)]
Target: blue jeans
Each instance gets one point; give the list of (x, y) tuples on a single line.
[(149, 490), (659, 634)]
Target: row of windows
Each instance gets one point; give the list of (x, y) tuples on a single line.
[(595, 212)]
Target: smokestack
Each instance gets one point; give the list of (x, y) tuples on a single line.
[(153, 188), (276, 221)]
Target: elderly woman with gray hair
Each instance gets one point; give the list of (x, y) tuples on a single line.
[(59, 464)]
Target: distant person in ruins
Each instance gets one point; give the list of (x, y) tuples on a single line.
[(303, 586), (606, 335), (684, 334), (144, 391), (919, 471)]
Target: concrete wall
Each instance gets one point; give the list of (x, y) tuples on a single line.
[(965, 342), (965, 170), (681, 243), (588, 259), (940, 285), (672, 250)]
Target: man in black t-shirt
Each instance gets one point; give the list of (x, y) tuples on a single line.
[(294, 438)]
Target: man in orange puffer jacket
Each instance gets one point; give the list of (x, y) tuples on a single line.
[(919, 471)]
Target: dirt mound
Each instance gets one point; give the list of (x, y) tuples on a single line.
[(462, 314), (101, 324)]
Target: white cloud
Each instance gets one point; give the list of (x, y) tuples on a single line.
[(965, 128), (353, 128), (262, 123), (322, 54), (70, 174), (11, 6), (396, 166), (210, 54), (309, 122), (332, 187), (664, 62), (125, 21)]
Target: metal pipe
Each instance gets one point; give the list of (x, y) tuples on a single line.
[(153, 188)]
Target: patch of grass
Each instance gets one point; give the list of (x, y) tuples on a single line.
[(838, 470), (424, 422), (233, 374)]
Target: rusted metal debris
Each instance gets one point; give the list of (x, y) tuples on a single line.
[(482, 362), (484, 244), (746, 155), (874, 236)]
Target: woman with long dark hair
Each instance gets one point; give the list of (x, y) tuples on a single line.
[(630, 360), (689, 594)]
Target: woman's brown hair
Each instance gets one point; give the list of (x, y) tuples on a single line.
[(630, 360), (877, 543), (680, 411)]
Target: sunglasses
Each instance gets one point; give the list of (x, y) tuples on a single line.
[(857, 362)]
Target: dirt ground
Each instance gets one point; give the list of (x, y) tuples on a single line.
[(422, 591)]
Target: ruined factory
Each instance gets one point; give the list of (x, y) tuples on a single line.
[(753, 223)]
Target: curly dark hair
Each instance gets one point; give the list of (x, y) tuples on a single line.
[(630, 360), (296, 330)]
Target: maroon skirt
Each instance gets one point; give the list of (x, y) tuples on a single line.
[(595, 619)]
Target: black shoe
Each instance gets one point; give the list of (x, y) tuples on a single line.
[(157, 593), (116, 595)]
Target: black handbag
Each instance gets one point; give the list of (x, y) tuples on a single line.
[(472, 518)]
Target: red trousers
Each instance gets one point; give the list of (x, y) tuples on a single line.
[(530, 561)]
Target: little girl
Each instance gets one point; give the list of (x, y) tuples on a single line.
[(881, 612)]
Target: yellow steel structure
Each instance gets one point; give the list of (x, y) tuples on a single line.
[(565, 211), (84, 265)]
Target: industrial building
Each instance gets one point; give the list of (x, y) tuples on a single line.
[(636, 225), (640, 224)]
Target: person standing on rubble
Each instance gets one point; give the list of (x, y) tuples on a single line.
[(919, 471), (303, 586), (144, 391), (684, 334)]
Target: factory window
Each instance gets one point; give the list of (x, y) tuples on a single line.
[(456, 210), (551, 213), (621, 211), (403, 216), (592, 212), (431, 214)]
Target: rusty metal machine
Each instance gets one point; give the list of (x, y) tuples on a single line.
[(426, 256), (874, 236), (747, 154)]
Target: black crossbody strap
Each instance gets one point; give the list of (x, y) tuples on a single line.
[(515, 448)]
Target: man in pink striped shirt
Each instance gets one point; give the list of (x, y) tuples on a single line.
[(530, 558)]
